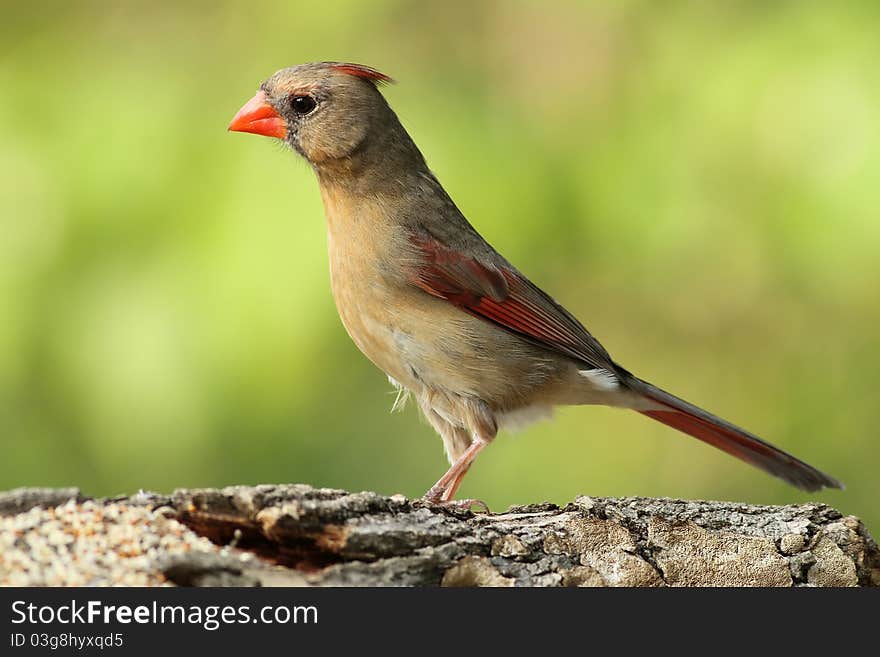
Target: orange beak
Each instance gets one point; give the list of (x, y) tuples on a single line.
[(260, 118)]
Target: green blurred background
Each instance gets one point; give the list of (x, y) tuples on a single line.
[(698, 182)]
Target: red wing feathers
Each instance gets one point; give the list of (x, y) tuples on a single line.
[(499, 294), (459, 279)]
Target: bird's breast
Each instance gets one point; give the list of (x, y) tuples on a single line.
[(369, 298)]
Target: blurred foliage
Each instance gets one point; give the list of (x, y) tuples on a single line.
[(698, 182)]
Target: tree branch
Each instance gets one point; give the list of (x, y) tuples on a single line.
[(299, 535)]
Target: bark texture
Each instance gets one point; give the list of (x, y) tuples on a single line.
[(299, 535)]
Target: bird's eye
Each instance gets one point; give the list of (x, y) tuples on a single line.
[(303, 104)]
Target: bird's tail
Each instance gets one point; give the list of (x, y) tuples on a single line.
[(696, 422)]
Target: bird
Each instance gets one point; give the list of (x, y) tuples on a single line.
[(450, 321)]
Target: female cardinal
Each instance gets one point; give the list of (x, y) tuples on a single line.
[(431, 303)]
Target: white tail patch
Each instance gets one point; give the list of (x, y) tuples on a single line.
[(601, 379)]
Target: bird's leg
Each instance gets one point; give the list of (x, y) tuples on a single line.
[(445, 488), (453, 487)]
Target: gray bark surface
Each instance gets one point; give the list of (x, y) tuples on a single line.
[(299, 535)]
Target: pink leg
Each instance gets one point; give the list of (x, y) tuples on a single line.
[(446, 486), (453, 487)]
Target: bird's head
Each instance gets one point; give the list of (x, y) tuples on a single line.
[(324, 111)]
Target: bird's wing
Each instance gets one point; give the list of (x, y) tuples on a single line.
[(489, 288)]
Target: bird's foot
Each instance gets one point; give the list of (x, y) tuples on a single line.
[(436, 493), (441, 493)]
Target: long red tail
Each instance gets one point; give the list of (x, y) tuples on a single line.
[(696, 422)]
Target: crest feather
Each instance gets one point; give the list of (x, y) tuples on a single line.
[(361, 71)]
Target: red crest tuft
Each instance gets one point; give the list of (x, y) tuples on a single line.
[(361, 71)]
